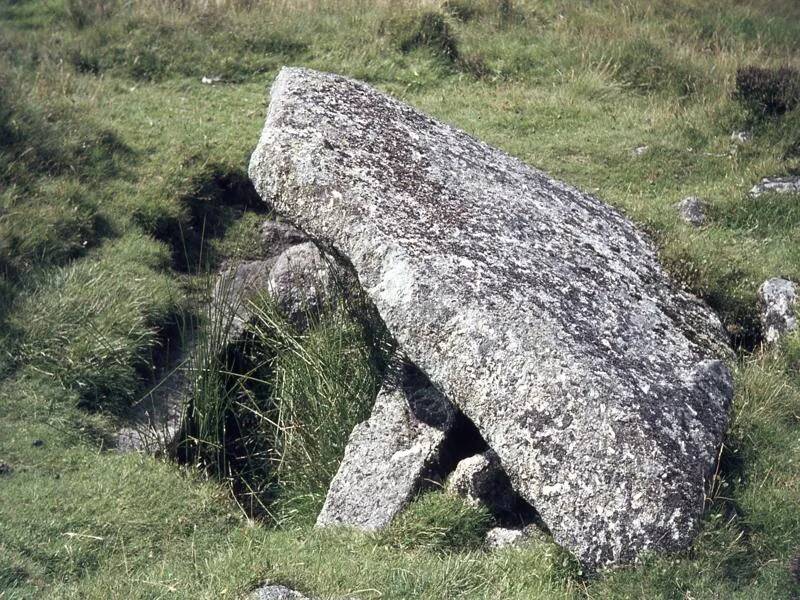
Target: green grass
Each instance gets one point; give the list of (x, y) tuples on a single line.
[(122, 184)]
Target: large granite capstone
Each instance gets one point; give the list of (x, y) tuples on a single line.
[(536, 308)]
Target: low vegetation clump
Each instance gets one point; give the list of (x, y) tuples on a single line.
[(271, 414), (123, 188), (768, 91)]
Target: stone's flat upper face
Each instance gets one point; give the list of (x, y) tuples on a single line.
[(537, 309)]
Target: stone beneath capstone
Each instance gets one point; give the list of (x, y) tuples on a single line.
[(503, 537), (480, 480), (301, 282), (779, 185), (276, 236), (693, 210), (778, 300), (389, 456), (540, 311)]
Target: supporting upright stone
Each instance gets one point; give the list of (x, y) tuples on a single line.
[(390, 455)]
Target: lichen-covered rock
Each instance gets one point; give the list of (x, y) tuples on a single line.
[(236, 286), (389, 456), (693, 210), (779, 185), (277, 592), (502, 537), (540, 311), (741, 137), (480, 480), (301, 282), (778, 300), (276, 236)]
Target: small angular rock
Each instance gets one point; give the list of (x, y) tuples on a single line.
[(277, 236), (693, 210), (301, 282), (277, 592), (741, 137), (778, 300), (236, 286), (389, 456), (502, 537), (480, 480), (779, 185)]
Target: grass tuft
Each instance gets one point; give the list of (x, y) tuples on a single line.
[(93, 326), (439, 522), (431, 30), (767, 92)]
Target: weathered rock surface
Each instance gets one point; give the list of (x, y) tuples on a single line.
[(480, 480), (277, 236), (741, 137), (778, 300), (502, 537), (537, 309), (301, 282), (277, 592), (389, 456), (779, 185), (693, 210), (299, 279)]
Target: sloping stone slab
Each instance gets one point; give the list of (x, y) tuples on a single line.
[(389, 455), (537, 309)]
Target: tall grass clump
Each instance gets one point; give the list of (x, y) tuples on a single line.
[(92, 326), (439, 522), (768, 92), (271, 410)]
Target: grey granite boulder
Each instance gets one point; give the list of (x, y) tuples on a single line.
[(741, 137), (389, 456), (540, 311), (480, 480), (503, 537), (276, 236), (277, 592), (779, 185), (301, 282), (693, 210), (777, 299)]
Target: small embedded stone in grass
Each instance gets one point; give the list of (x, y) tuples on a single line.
[(37, 443), (778, 299), (779, 185), (693, 210), (480, 480), (503, 537), (277, 592), (741, 137), (640, 150)]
